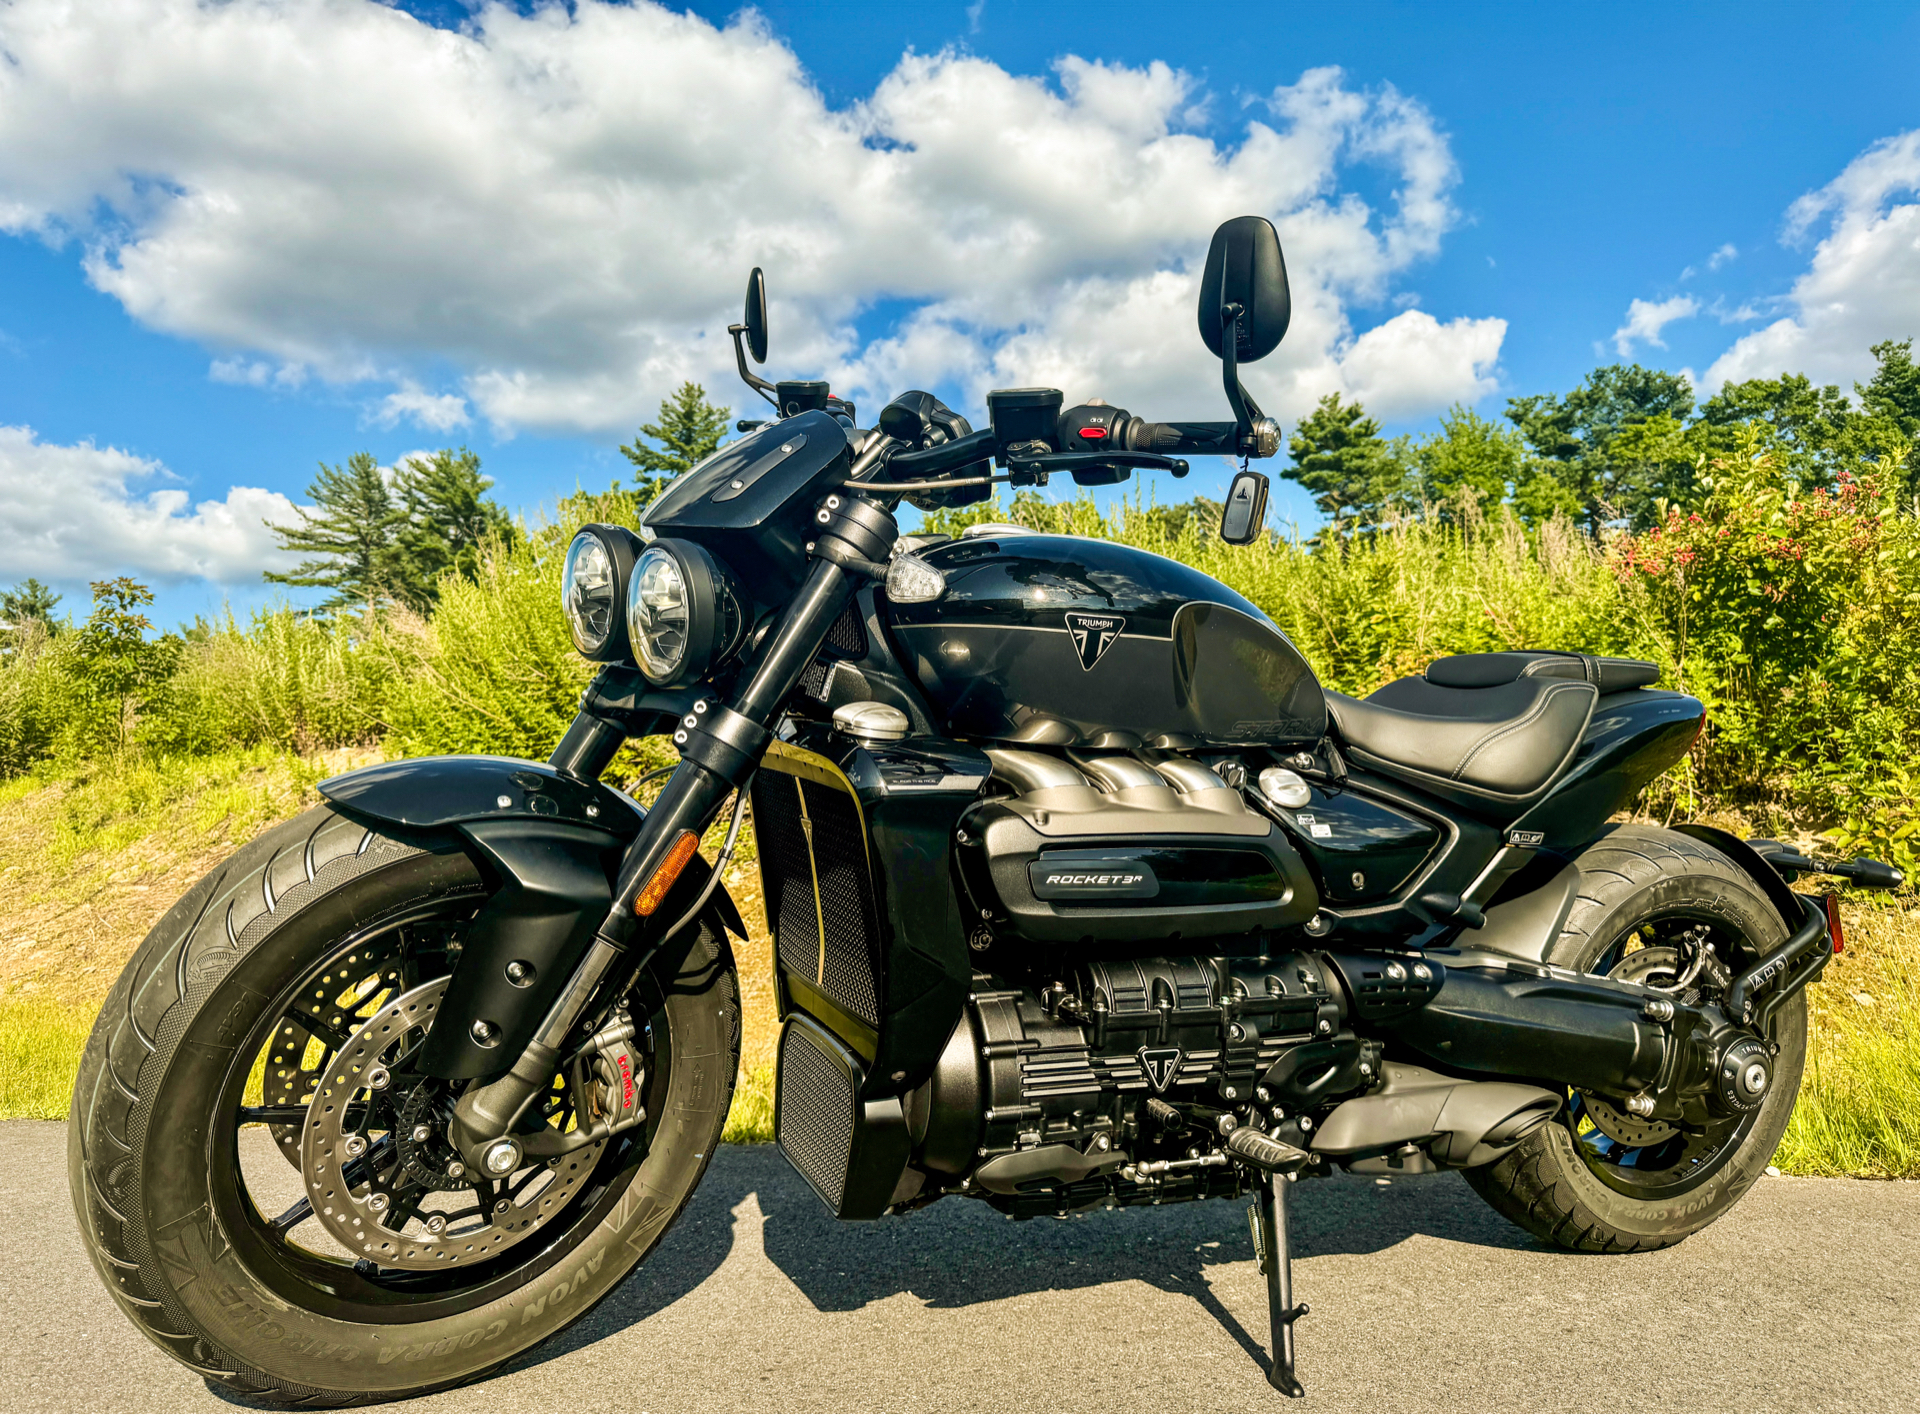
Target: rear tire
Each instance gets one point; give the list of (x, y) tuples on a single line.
[(152, 1145), (1551, 1184)]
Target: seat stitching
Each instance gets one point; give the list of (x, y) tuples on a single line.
[(1546, 698)]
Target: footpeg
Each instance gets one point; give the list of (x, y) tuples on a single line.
[(1251, 1145)]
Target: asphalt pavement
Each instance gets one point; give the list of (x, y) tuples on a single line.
[(1806, 1297)]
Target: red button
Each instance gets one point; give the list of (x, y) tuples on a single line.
[(1093, 434)]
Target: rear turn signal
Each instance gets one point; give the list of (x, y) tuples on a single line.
[(669, 871), (1833, 923)]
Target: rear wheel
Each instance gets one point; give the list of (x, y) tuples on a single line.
[(263, 1182), (1663, 909)]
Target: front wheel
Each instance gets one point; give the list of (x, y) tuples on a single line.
[(272, 1220), (1672, 912)]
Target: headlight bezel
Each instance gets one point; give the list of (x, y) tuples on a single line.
[(622, 548), (715, 612)]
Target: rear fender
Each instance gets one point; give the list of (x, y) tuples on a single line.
[(552, 845)]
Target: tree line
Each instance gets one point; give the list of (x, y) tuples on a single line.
[(1611, 452)]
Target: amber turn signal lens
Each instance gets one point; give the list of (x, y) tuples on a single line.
[(1833, 923), (669, 871)]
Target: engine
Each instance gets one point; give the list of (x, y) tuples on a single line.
[(1110, 1084)]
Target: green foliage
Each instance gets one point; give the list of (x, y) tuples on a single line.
[(350, 533), (27, 601), (1339, 456), (1795, 616), (1577, 439), (689, 430), (373, 544), (447, 519), (114, 669), (1470, 457)]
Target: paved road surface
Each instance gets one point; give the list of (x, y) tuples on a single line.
[(1806, 1298)]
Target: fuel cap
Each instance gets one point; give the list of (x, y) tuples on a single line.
[(871, 722)]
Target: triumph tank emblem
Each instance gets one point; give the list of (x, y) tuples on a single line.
[(1161, 1065), (1093, 635)]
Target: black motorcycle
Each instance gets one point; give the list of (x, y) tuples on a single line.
[(1084, 893)]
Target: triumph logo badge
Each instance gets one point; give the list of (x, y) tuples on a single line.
[(1161, 1064), (1093, 635)]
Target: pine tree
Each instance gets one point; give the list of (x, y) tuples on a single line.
[(690, 428), (28, 600), (352, 532), (448, 517), (1339, 456)]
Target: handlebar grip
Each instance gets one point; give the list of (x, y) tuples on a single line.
[(1221, 439)]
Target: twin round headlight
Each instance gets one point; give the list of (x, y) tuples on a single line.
[(670, 606)]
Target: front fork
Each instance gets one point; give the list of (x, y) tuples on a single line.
[(720, 748)]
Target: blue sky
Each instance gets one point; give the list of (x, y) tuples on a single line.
[(211, 278)]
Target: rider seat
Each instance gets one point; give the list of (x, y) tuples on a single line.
[(1490, 731)]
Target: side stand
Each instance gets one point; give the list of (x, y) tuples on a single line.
[(1276, 1260), (1276, 1162)]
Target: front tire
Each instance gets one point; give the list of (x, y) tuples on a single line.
[(1582, 1190), (154, 1145)]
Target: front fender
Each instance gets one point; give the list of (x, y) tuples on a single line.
[(552, 843)]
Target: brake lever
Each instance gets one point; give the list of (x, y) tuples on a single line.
[(1052, 462)]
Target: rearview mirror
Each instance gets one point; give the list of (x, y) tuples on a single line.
[(1245, 268), (1245, 514), (756, 316)]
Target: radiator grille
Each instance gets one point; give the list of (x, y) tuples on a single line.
[(816, 1115), (848, 636), (814, 863)]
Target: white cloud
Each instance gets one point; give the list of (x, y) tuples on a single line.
[(1727, 252), (440, 411), (73, 514), (1863, 283), (563, 205), (1645, 320), (1413, 363)]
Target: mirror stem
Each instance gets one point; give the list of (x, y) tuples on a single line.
[(1245, 411), (757, 384)]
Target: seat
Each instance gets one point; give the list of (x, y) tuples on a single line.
[(1494, 748), (1489, 670)]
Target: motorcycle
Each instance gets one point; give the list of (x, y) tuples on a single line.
[(1084, 893)]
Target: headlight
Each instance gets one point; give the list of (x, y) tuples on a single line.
[(593, 588), (684, 613)]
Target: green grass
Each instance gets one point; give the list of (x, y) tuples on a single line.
[(750, 1120), (1859, 1109), (40, 1044)]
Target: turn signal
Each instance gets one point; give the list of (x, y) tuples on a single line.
[(669, 871)]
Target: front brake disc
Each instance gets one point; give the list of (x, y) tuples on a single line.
[(395, 1200)]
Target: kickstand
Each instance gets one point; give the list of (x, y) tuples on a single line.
[(1276, 1260)]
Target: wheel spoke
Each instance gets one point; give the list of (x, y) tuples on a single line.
[(272, 1114), (331, 1035), (294, 1216)]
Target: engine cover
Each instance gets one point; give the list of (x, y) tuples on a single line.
[(1113, 848)]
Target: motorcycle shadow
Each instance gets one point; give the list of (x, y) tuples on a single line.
[(959, 1252)]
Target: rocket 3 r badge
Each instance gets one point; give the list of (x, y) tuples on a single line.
[(1093, 635)]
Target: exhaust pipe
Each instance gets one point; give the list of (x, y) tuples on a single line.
[(1458, 1123)]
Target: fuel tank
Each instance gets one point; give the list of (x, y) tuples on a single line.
[(1064, 641)]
